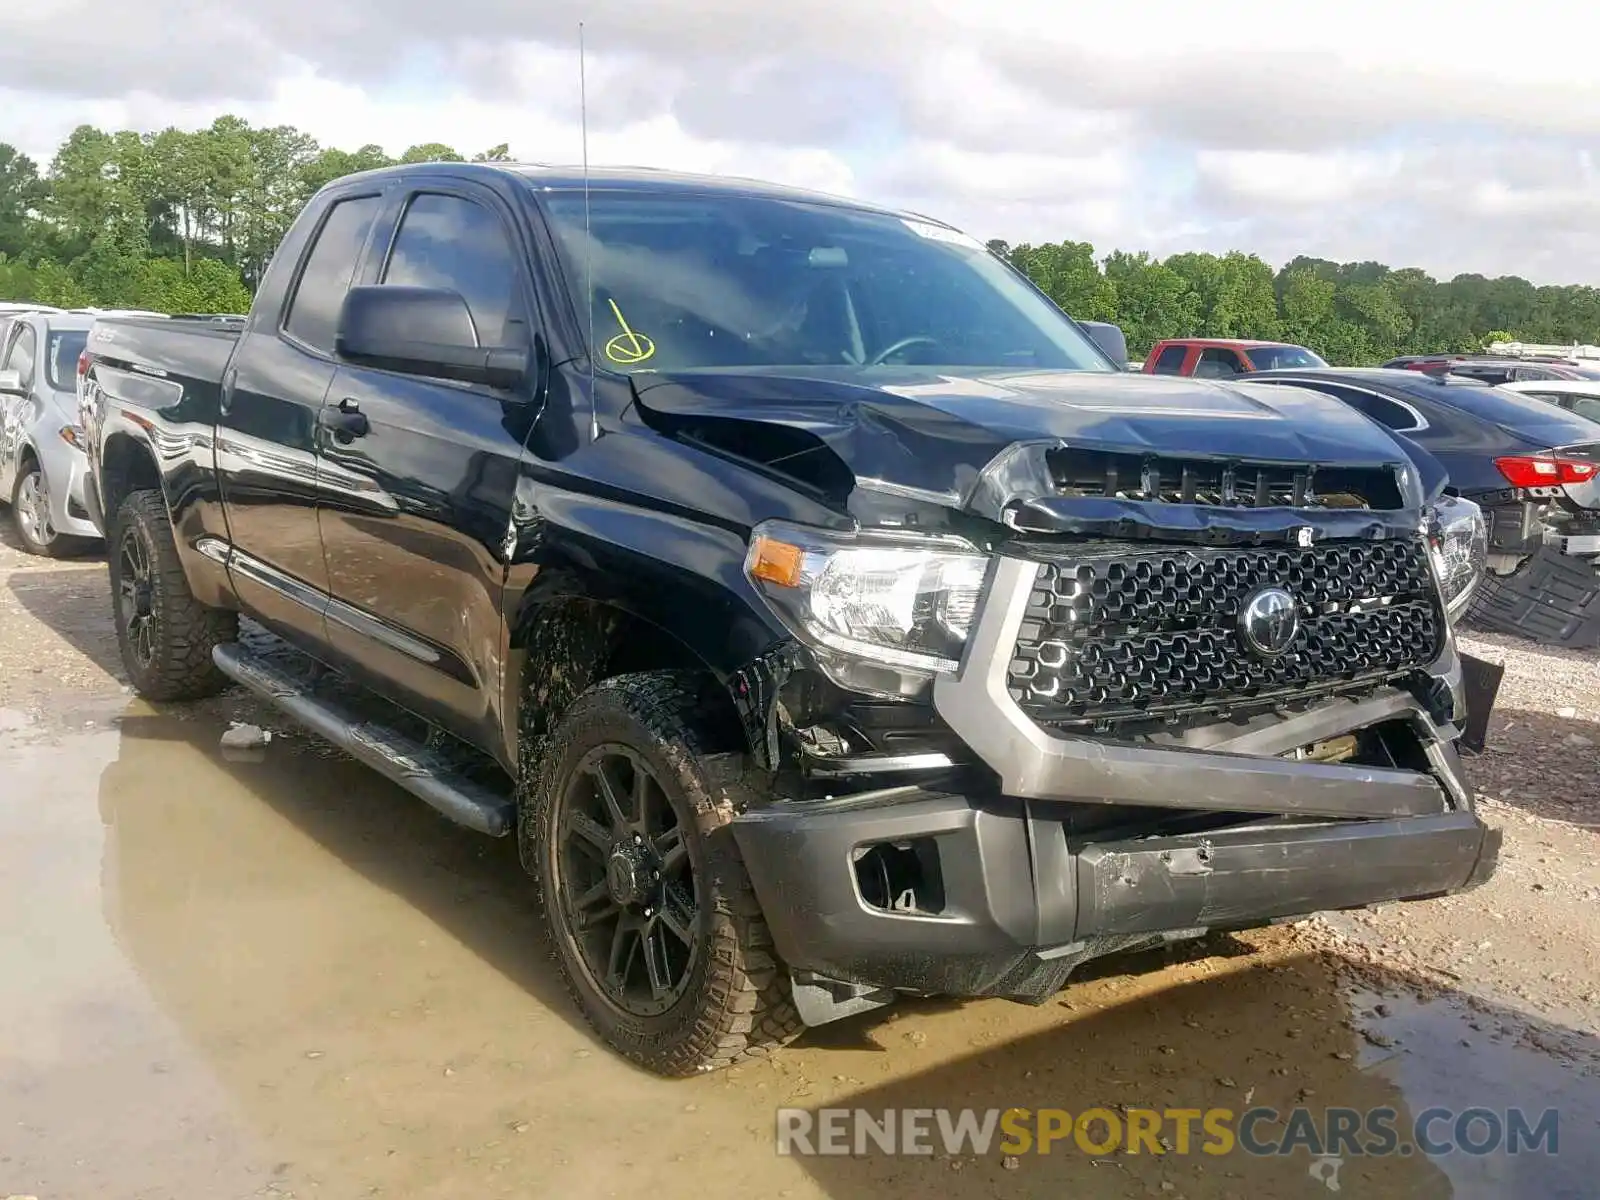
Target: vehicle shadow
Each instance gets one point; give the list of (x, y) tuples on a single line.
[(74, 603), (1293, 1034), (867, 1031), (1543, 764)]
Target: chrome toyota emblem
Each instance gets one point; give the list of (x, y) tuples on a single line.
[(1269, 622)]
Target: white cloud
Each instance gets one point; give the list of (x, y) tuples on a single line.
[(1294, 179), (1341, 128)]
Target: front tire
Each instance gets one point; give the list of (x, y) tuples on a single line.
[(165, 635), (655, 925)]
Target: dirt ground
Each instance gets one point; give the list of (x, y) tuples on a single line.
[(284, 977)]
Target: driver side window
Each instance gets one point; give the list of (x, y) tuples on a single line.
[(451, 242)]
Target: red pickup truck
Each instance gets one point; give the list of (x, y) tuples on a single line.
[(1217, 358)]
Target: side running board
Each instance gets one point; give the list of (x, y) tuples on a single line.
[(423, 772)]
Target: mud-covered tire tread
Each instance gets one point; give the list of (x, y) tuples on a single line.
[(187, 630), (745, 1007)]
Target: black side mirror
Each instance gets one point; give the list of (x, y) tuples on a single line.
[(423, 331), (1110, 339)]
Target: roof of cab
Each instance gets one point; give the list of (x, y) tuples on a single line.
[(550, 177), (1246, 343)]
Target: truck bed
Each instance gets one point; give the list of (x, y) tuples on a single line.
[(195, 348)]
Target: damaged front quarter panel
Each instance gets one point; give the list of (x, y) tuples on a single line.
[(754, 690)]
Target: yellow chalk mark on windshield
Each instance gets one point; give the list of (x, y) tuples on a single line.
[(627, 347)]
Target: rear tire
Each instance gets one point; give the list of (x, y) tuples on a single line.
[(165, 635), (656, 928)]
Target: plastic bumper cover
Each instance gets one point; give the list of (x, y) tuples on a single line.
[(1023, 904), (66, 472)]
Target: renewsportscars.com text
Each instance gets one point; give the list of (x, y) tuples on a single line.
[(1215, 1131)]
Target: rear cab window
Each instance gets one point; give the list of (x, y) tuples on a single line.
[(1170, 360), (328, 268)]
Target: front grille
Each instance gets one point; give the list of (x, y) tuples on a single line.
[(1156, 632), (1167, 480)]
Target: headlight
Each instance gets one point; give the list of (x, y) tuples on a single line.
[(1458, 544), (873, 601)]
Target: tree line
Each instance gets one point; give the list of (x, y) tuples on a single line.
[(175, 221), (186, 220)]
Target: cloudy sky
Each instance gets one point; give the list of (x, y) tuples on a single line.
[(1456, 137)]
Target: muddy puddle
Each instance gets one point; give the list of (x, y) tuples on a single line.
[(285, 978)]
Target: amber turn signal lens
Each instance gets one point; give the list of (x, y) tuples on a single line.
[(777, 562)]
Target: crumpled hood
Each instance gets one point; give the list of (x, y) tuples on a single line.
[(956, 438)]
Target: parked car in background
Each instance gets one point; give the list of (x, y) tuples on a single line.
[(42, 463), (1496, 368), (1532, 466), (1581, 396), (15, 307), (1219, 358)]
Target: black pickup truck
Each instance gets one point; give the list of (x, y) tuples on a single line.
[(828, 615)]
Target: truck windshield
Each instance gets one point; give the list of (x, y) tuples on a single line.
[(704, 281), (1277, 358)]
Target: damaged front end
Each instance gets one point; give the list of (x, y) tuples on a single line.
[(1120, 697)]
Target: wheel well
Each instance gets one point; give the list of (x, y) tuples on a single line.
[(576, 644), (128, 466)]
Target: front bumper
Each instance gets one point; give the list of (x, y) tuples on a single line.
[(1021, 897), (1023, 902)]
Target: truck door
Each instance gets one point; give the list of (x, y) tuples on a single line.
[(414, 528), (266, 430)]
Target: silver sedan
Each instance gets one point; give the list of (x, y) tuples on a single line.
[(42, 463)]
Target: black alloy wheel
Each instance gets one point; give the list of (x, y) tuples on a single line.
[(627, 889), (136, 594)]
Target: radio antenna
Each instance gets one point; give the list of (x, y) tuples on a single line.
[(588, 235)]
